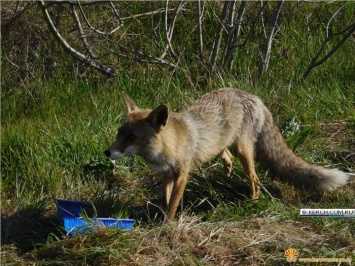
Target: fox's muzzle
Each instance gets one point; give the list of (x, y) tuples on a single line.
[(114, 154)]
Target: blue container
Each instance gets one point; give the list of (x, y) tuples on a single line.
[(73, 208), (75, 225)]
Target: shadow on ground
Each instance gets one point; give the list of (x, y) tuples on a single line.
[(29, 227)]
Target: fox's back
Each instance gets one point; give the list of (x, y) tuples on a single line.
[(218, 118)]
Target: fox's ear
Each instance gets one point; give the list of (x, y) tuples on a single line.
[(159, 117), (130, 105)]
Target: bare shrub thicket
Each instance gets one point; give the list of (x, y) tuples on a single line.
[(112, 36)]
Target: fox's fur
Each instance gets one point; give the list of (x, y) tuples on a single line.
[(173, 144)]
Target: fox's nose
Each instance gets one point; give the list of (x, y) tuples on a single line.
[(107, 153)]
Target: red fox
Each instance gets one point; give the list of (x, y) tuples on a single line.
[(173, 144)]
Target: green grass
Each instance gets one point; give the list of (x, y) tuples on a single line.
[(55, 128), (54, 148)]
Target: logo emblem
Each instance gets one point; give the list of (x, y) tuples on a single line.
[(291, 255)]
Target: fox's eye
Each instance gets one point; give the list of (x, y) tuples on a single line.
[(130, 136)]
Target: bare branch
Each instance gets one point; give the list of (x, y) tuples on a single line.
[(114, 11), (82, 34), (316, 63), (288, 16), (218, 37), (332, 17), (139, 56), (74, 2), (169, 30), (229, 26), (89, 45), (262, 19), (347, 31), (234, 38), (253, 27), (199, 27), (265, 58)]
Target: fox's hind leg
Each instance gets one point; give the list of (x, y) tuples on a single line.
[(227, 159), (245, 152), (168, 183)]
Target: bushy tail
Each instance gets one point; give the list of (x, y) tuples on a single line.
[(273, 154)]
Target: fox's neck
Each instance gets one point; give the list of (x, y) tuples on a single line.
[(172, 143)]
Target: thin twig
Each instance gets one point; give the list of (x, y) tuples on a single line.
[(253, 27), (235, 34), (332, 17), (316, 63), (74, 2), (114, 11), (230, 23), (199, 24), (162, 10), (149, 58), (265, 59), (218, 37)]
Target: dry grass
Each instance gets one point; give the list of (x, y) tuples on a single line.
[(259, 241), (190, 241)]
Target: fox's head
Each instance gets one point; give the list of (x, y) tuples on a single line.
[(140, 131)]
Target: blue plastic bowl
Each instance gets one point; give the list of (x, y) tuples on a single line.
[(75, 225), (73, 208)]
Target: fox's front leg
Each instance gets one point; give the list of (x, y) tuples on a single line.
[(227, 159), (174, 188)]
